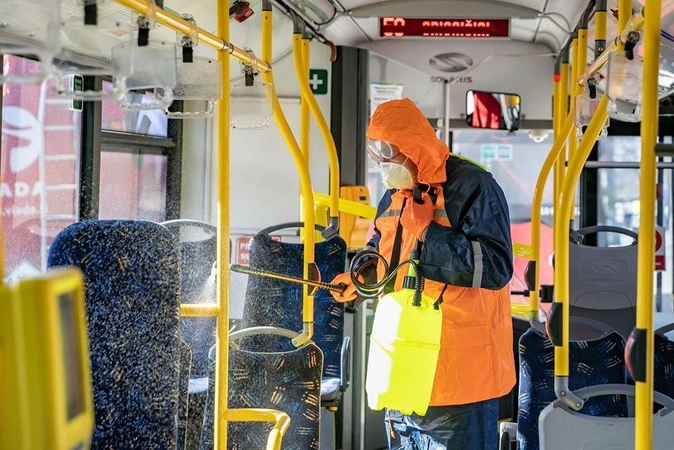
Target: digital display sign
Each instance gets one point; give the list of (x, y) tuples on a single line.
[(450, 28)]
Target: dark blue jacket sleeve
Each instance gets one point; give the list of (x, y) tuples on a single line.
[(476, 251)]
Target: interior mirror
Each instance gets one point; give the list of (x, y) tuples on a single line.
[(493, 110)]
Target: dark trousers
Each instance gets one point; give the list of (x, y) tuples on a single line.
[(463, 427)]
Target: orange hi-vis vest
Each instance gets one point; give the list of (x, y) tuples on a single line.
[(466, 257), (476, 352)]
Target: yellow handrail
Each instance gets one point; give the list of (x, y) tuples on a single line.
[(347, 206), (522, 250), (561, 226), (223, 218), (563, 111), (576, 68), (280, 419), (220, 309), (547, 165), (199, 310), (182, 26), (305, 180), (645, 254), (303, 78), (557, 147), (561, 277), (635, 24)]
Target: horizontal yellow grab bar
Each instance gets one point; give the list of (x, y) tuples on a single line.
[(347, 206), (202, 310)]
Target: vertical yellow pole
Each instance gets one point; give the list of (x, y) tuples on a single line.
[(563, 109), (303, 172), (304, 107), (645, 258), (556, 99), (222, 349), (574, 69), (305, 130), (624, 14)]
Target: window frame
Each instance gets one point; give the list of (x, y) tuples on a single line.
[(94, 141)]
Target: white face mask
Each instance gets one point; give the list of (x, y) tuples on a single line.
[(396, 176)]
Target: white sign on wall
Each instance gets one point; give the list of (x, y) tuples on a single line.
[(383, 92)]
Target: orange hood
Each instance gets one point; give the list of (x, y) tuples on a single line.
[(401, 123)]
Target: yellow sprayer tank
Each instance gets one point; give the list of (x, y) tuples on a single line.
[(404, 348)]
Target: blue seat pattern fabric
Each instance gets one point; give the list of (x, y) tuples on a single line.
[(284, 381), (132, 275), (594, 362), (271, 302), (663, 370)]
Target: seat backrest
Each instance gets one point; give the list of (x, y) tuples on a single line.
[(592, 362), (132, 277), (198, 253), (603, 280), (256, 382), (278, 303)]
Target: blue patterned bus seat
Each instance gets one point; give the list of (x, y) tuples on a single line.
[(592, 362), (285, 381), (271, 302), (132, 278)]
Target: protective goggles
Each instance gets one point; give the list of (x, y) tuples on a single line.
[(381, 150)]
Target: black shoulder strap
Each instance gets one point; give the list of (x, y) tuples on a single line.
[(395, 254)]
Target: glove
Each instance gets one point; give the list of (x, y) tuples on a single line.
[(349, 293), (417, 216)]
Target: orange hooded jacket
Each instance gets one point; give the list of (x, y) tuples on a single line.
[(466, 257)]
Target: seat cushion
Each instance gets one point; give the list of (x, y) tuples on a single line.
[(330, 389)]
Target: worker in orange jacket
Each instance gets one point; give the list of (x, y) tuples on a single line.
[(460, 214)]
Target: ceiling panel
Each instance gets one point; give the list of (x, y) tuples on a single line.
[(541, 21)]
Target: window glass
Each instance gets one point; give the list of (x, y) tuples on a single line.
[(620, 149), (515, 160), (151, 122), (619, 204), (133, 186), (39, 169)]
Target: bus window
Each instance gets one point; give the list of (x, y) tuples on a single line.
[(619, 205), (152, 122), (39, 168), (515, 160), (133, 185)]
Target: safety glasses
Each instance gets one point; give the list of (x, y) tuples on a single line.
[(381, 150)]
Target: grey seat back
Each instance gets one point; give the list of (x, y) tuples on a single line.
[(603, 280)]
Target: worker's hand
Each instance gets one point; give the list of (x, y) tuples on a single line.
[(349, 293), (417, 216)]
